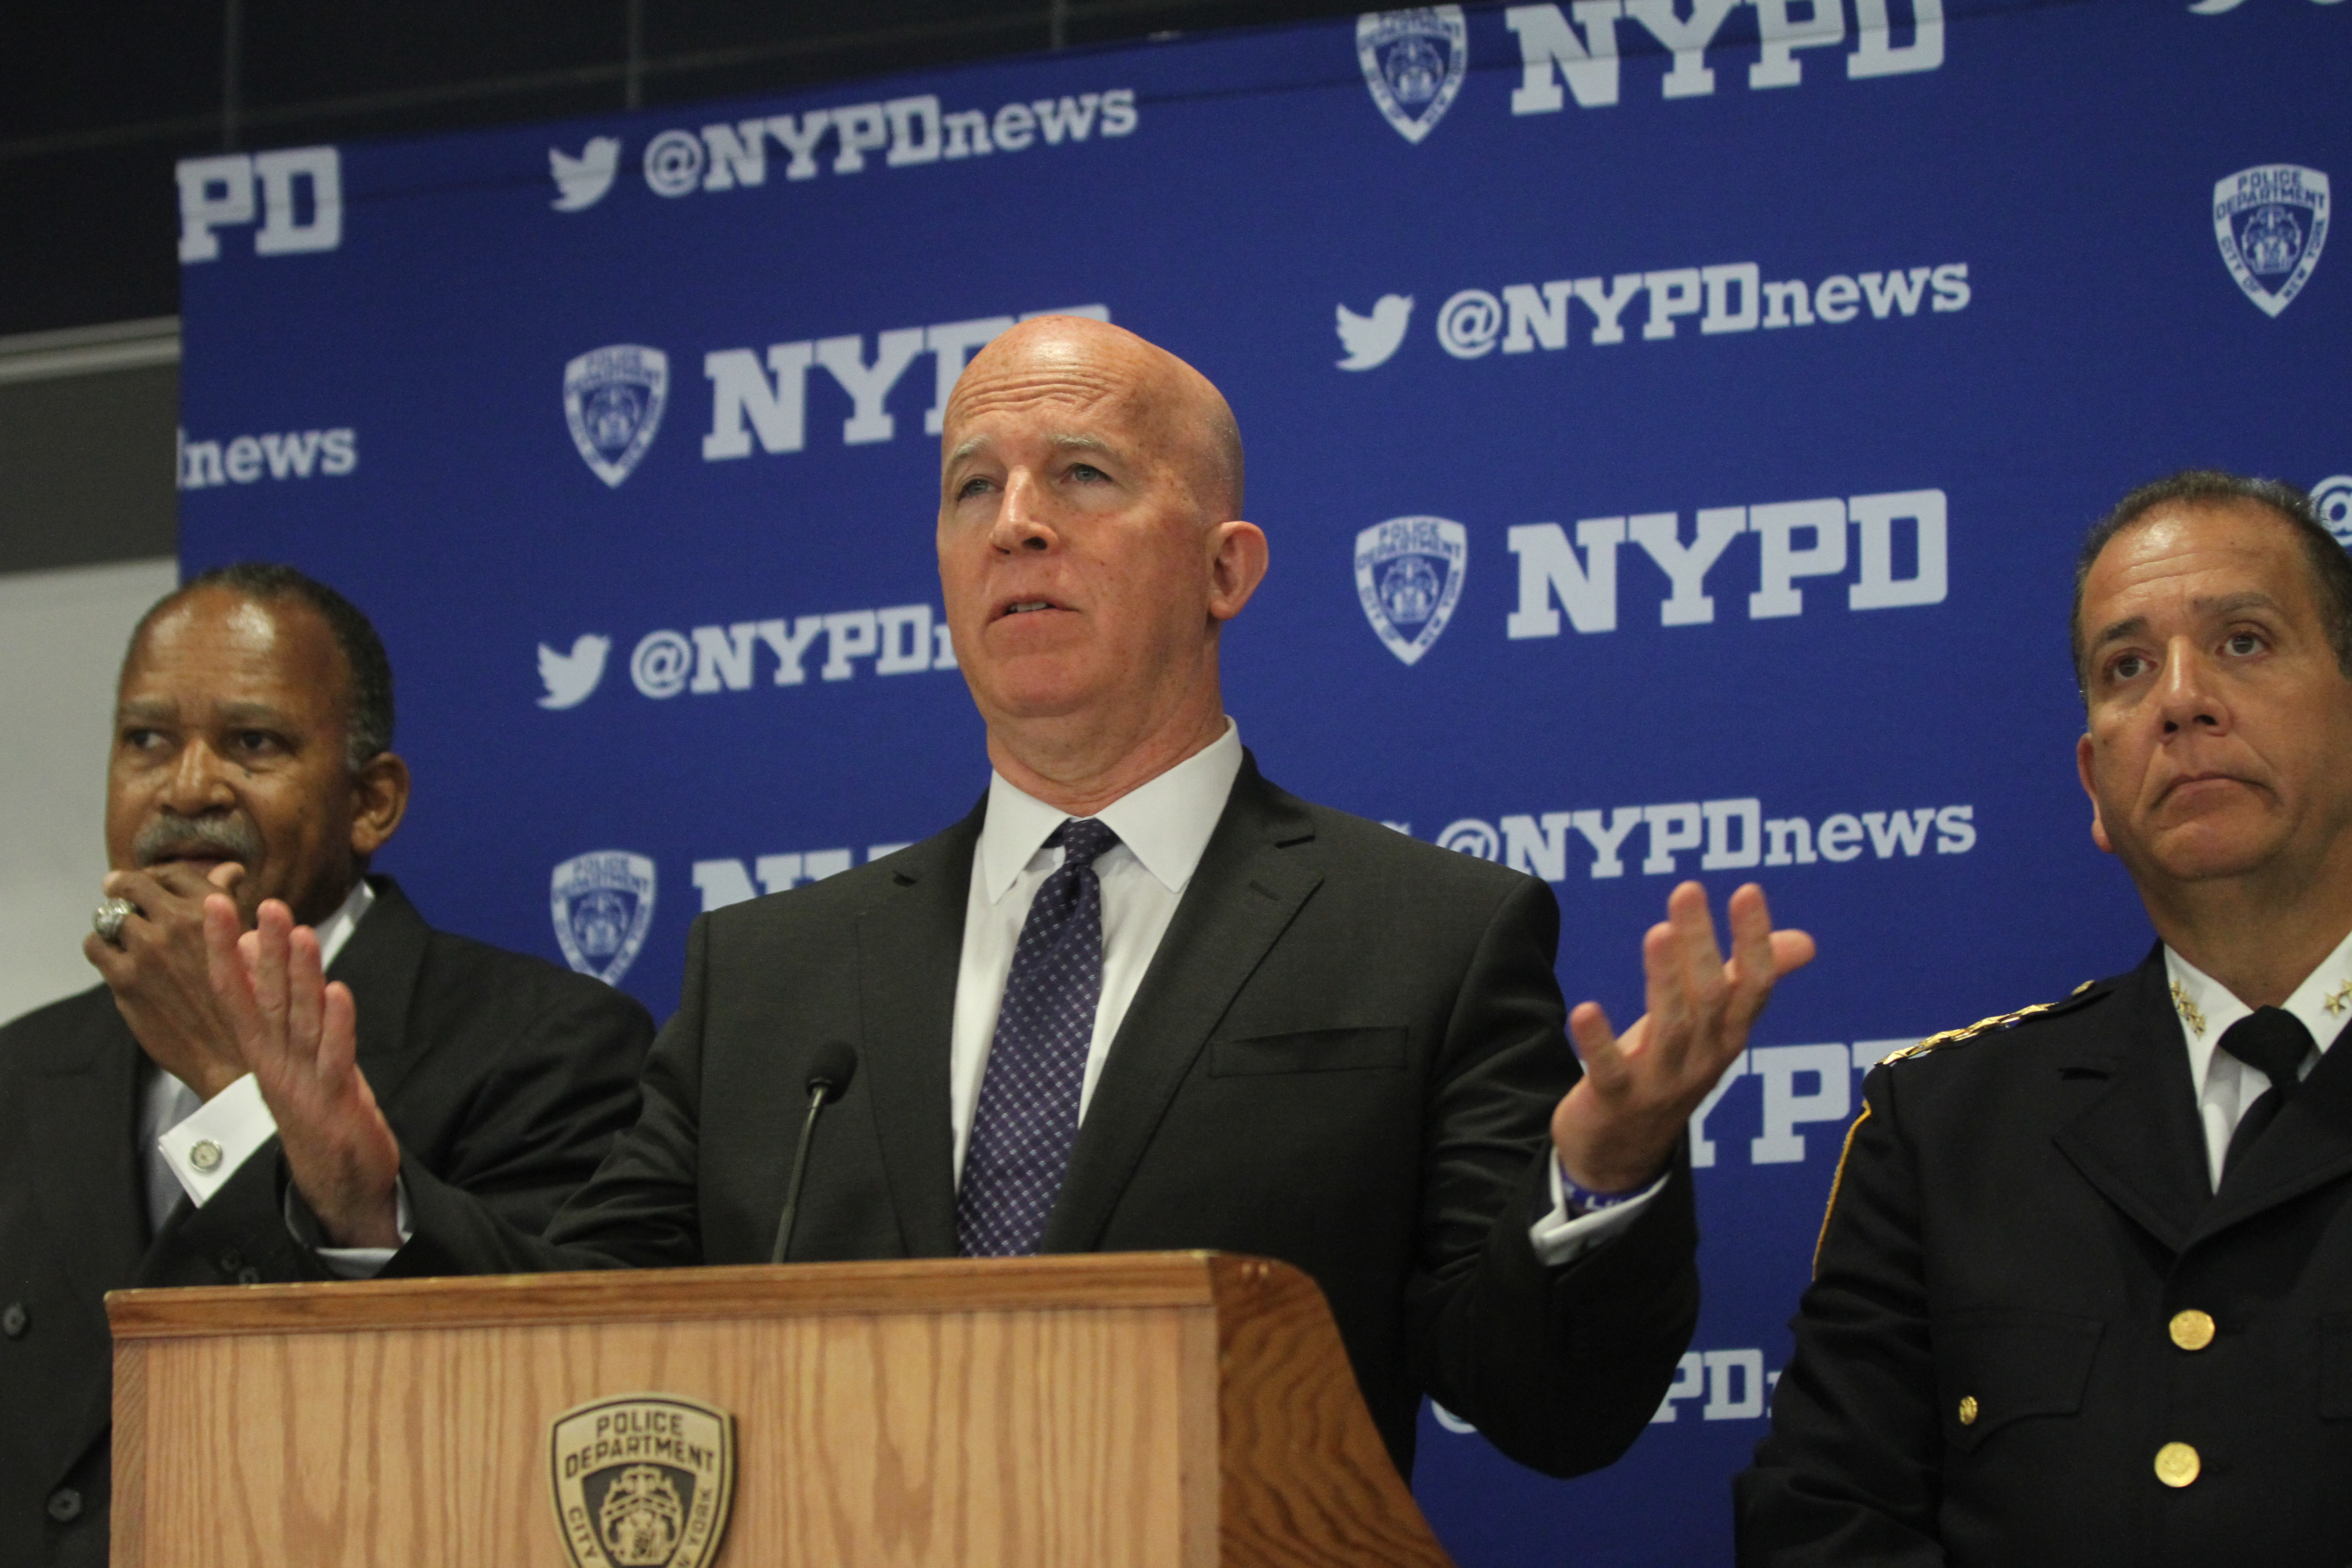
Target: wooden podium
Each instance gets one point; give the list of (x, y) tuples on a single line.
[(1178, 1409)]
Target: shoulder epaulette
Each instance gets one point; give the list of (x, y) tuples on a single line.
[(1984, 1026)]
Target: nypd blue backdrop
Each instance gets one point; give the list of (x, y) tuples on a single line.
[(1673, 419)]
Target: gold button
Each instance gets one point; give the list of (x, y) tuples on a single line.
[(205, 1155), (2176, 1463), (1967, 1410), (2192, 1330)]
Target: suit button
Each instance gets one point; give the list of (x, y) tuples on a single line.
[(249, 1275), (2191, 1330), (1968, 1411), (13, 1321), (2176, 1463), (231, 1261), (65, 1505)]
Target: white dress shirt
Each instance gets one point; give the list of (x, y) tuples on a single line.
[(1164, 829), (194, 1145), (2226, 1085)]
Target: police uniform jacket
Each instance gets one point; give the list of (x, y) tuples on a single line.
[(2035, 1333), (505, 1074)]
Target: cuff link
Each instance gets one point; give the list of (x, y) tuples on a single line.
[(206, 1156)]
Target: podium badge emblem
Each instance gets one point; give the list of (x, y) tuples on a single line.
[(1413, 63), (2271, 222), (613, 400), (643, 1480), (1409, 574), (604, 905)]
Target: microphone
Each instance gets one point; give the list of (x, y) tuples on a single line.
[(834, 1063)]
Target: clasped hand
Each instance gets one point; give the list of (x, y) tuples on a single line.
[(1616, 1130)]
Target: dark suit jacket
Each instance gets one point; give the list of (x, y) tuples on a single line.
[(506, 1075), (1345, 1055), (2020, 1217)]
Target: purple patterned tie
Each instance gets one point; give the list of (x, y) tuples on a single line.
[(1027, 1117)]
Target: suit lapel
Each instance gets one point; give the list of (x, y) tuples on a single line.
[(2308, 1145), (380, 963), (92, 1189), (910, 949), (1251, 883), (2140, 1143)]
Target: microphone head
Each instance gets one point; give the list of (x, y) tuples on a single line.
[(831, 1067)]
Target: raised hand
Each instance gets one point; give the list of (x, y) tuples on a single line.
[(156, 968), (1616, 1129), (298, 1035)]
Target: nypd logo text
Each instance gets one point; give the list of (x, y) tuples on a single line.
[(1583, 52), (898, 133), (1732, 297), (1795, 540), (764, 397), (298, 195), (1726, 834)]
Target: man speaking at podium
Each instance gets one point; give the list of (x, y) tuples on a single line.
[(1140, 998)]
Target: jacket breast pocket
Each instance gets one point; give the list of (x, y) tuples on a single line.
[(1996, 1367), (2336, 1366), (1311, 1050)]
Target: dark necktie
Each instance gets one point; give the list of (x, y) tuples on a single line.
[(1027, 1118), (2273, 1042)]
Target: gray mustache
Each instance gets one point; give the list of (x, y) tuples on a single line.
[(228, 837)]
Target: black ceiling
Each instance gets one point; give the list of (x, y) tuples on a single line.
[(97, 101)]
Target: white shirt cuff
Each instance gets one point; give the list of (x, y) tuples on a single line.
[(204, 1149), (1558, 1237), (347, 1262)]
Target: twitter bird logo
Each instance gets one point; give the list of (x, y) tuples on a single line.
[(584, 180), (1370, 340), (570, 676)]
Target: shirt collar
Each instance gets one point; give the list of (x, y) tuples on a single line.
[(1165, 823), (337, 928), (2207, 1009)]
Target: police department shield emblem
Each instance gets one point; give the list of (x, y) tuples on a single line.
[(604, 905), (2270, 223), (1413, 61), (1409, 574), (613, 399), (643, 1480)]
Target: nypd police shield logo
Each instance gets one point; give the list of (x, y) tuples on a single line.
[(642, 1481), (1409, 574), (604, 905), (2270, 223), (1414, 62), (613, 399)]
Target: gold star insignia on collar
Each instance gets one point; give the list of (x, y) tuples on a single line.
[(2338, 999), (2188, 1009)]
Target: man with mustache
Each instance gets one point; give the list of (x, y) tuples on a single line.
[(2085, 1292), (1140, 999), (252, 759)]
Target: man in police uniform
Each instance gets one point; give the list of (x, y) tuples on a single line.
[(2085, 1292)]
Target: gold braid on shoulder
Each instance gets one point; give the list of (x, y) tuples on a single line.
[(1981, 1027)]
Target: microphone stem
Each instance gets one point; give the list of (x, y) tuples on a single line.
[(800, 1165)]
